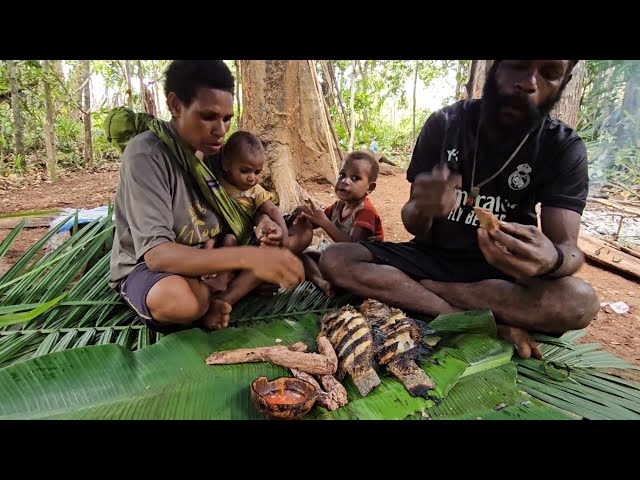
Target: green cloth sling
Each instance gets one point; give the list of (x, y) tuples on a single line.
[(122, 124)]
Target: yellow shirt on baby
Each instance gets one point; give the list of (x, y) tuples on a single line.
[(252, 198)]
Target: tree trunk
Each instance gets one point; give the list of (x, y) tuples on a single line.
[(480, 76), (88, 145), (127, 73), (18, 125), (413, 125), (325, 83), (365, 85), (149, 101), (627, 129), (568, 106), (352, 109), (143, 103), (337, 93), (156, 92), (281, 106), (236, 63), (77, 89), (49, 122), (460, 86)]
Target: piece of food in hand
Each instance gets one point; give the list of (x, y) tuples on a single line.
[(487, 219)]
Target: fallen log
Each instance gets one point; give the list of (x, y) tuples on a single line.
[(606, 254)]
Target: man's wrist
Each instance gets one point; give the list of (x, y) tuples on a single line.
[(556, 265)]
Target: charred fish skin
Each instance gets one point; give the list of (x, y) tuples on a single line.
[(350, 335), (399, 344)]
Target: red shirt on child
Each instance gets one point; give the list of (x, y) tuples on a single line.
[(364, 216)]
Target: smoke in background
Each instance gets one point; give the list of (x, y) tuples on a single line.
[(609, 123)]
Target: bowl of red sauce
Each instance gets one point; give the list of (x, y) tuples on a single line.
[(284, 398)]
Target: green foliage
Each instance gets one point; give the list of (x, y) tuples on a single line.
[(383, 90)]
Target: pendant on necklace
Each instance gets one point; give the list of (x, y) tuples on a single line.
[(473, 194)]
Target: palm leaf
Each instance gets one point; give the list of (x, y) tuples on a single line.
[(31, 213), (5, 245), (22, 317), (568, 378), (305, 298)]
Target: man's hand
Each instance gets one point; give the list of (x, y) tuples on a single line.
[(520, 251), (434, 194), (269, 233), (278, 266)]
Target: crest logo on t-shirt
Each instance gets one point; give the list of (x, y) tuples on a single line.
[(520, 178)]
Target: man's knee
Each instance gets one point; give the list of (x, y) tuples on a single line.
[(337, 259), (578, 302)]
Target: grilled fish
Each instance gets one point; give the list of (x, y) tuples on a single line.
[(350, 336), (398, 344)]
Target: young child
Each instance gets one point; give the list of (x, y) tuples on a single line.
[(241, 162), (351, 218), (238, 171)]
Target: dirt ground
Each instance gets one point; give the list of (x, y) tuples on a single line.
[(618, 333)]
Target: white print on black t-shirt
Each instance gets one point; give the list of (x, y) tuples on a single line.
[(453, 153), (497, 205), (520, 178)]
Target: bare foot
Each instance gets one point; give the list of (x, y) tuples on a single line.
[(218, 282), (218, 315), (525, 345), (267, 289), (324, 285)]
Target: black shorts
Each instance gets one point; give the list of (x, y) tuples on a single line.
[(134, 289), (422, 262)]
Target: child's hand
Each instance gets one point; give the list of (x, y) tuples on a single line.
[(269, 233), (314, 214)]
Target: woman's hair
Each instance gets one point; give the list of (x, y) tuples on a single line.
[(185, 77)]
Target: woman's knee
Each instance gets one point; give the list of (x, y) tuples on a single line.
[(180, 301)]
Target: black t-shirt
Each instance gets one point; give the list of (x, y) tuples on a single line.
[(551, 168)]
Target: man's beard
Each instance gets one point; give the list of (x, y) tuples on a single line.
[(494, 102)]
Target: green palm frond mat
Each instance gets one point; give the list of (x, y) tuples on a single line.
[(61, 300), (70, 348)]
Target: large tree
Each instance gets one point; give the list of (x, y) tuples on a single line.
[(86, 94), (18, 124), (283, 105), (49, 119), (568, 106)]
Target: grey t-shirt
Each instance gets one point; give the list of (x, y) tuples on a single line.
[(156, 201)]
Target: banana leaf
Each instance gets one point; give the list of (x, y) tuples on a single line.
[(492, 395), (170, 379), (166, 380)]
